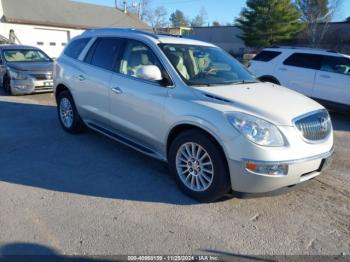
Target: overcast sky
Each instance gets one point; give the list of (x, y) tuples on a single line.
[(223, 11)]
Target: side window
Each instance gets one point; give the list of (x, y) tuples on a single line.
[(74, 49), (266, 56), (136, 55), (103, 53), (309, 61), (334, 64)]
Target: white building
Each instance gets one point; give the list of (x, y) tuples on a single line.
[(50, 24)]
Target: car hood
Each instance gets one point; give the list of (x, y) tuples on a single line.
[(271, 102), (35, 66)]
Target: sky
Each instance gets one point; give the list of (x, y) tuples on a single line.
[(224, 11)]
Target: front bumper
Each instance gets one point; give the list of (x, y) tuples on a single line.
[(300, 170), (30, 86)]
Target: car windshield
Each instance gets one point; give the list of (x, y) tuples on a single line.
[(25, 55), (206, 66)]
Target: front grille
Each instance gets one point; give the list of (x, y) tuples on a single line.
[(42, 77), (314, 127)]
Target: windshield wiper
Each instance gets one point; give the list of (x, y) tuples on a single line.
[(244, 82)]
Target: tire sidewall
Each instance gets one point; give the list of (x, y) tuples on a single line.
[(221, 184), (77, 125), (7, 85)]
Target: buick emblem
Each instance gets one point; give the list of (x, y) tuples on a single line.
[(323, 124)]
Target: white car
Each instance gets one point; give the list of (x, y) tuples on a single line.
[(192, 105), (320, 74)]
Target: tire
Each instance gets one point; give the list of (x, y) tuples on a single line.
[(7, 85), (207, 182), (68, 114)]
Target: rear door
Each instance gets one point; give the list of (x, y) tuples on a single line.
[(298, 72), (333, 80), (94, 80)]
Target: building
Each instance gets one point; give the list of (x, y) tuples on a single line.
[(50, 24), (226, 37), (336, 37)]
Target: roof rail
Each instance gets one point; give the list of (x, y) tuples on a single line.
[(301, 47), (111, 30), (169, 34)]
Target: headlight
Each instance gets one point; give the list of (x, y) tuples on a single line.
[(256, 130), (17, 75)]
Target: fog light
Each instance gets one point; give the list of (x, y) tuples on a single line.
[(266, 169)]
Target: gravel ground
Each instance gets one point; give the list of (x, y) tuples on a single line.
[(88, 195)]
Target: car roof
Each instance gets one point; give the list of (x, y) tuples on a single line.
[(306, 50), (154, 37), (24, 47)]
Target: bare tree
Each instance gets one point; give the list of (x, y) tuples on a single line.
[(158, 18), (317, 14), (140, 8), (200, 19)]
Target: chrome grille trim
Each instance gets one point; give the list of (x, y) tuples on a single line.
[(47, 76), (314, 127)]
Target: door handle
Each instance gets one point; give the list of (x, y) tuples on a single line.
[(117, 90), (325, 76), (81, 78)]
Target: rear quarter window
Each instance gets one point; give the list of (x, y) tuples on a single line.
[(266, 56), (310, 61), (75, 48)]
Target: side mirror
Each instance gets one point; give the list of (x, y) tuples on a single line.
[(149, 72)]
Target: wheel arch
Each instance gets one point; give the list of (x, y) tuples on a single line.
[(59, 89), (269, 78), (182, 127)]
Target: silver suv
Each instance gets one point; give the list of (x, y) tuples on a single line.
[(192, 105)]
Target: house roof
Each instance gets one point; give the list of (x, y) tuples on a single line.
[(67, 14)]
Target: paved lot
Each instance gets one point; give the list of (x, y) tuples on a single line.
[(89, 195)]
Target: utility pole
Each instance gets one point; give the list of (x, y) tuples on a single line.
[(138, 6), (125, 6)]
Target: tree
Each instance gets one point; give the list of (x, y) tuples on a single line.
[(267, 22), (200, 19), (158, 18), (313, 10), (178, 19), (347, 20), (216, 23), (141, 8), (317, 14)]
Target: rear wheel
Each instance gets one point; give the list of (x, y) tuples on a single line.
[(68, 114), (199, 166)]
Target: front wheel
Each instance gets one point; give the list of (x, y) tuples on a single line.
[(199, 166), (68, 114), (7, 85)]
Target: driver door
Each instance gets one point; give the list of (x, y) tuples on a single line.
[(137, 105)]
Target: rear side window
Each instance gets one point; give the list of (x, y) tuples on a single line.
[(266, 56), (333, 64), (309, 61), (75, 48), (104, 52)]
